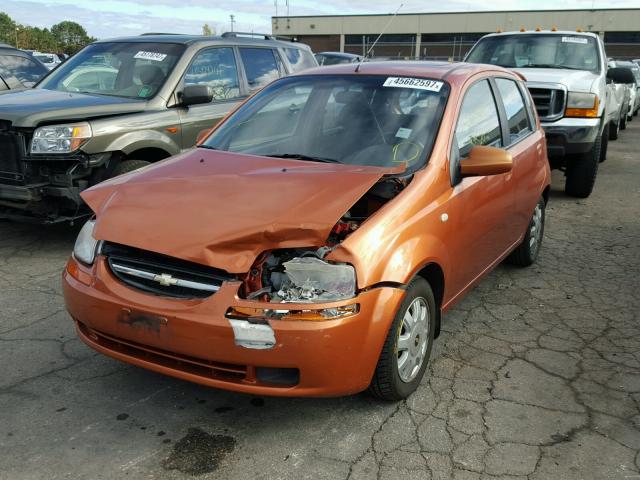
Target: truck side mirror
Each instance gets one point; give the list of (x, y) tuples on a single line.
[(195, 95), (621, 75)]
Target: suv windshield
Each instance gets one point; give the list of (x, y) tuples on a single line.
[(360, 120), (574, 52), (130, 70)]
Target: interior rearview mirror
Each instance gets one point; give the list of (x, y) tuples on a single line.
[(483, 160), (621, 75), (196, 94)]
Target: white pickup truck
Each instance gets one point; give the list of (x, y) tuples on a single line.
[(579, 100)]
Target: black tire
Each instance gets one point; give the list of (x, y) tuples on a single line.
[(623, 122), (582, 170), (386, 383), (526, 253), (605, 144), (127, 166), (635, 114), (614, 130)]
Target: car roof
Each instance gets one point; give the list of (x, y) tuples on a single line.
[(206, 39), (542, 32), (424, 69)]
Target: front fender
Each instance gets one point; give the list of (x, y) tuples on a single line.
[(132, 141)]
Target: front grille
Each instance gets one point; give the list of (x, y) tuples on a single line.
[(12, 147), (549, 102), (161, 274)]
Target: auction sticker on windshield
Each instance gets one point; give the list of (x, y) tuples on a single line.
[(155, 56), (417, 83), (574, 40)]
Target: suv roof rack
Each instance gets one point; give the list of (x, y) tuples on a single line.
[(266, 36)]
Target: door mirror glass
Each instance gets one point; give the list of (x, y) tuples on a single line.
[(483, 160), (621, 75), (196, 94)]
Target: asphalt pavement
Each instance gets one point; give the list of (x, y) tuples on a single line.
[(536, 376)]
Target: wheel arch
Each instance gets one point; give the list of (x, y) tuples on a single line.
[(433, 273), (149, 154)]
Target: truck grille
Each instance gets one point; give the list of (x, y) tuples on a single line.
[(162, 275), (11, 153), (549, 102)]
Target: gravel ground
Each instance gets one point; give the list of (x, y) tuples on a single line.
[(535, 376)]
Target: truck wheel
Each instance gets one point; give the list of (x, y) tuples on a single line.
[(582, 171), (605, 143), (527, 252), (127, 166), (406, 350), (614, 130)]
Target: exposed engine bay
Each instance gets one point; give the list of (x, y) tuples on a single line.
[(302, 275)]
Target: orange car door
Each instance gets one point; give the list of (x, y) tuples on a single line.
[(481, 208), (526, 146)]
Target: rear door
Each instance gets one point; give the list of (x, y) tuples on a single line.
[(261, 65), (218, 68)]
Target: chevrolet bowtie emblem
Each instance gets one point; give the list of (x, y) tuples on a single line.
[(165, 280)]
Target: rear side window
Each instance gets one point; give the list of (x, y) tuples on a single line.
[(24, 69), (299, 59), (478, 122), (514, 106), (217, 68), (260, 65)]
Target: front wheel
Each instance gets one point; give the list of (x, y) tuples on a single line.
[(527, 252), (127, 166), (407, 348), (605, 144), (614, 131), (582, 170), (623, 122)]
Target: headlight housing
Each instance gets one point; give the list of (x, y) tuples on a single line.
[(85, 248), (581, 104), (60, 138), (312, 280)]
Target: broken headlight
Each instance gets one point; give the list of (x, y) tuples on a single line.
[(85, 247), (311, 279)]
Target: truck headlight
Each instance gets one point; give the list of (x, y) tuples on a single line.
[(60, 138), (310, 279), (581, 104), (85, 247)]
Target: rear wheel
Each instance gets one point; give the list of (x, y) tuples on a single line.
[(407, 348), (127, 166), (582, 170), (527, 252)]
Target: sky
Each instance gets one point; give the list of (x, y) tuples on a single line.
[(111, 18)]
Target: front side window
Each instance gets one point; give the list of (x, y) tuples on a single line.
[(570, 51), (217, 68), (299, 59), (514, 106), (27, 71), (129, 70), (260, 66), (351, 119), (478, 122)]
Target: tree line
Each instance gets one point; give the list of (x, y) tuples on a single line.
[(64, 37)]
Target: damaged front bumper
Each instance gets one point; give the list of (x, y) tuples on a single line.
[(206, 342)]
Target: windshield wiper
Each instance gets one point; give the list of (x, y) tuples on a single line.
[(549, 65), (300, 156)]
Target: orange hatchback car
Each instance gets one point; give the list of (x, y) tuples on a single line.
[(310, 244)]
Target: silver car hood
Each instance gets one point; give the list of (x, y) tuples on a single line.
[(573, 80)]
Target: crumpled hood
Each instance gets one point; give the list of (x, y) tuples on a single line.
[(223, 209), (574, 80), (30, 107)]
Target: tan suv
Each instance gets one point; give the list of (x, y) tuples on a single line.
[(121, 104)]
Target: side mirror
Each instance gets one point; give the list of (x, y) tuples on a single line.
[(202, 136), (195, 95), (621, 75), (483, 160)]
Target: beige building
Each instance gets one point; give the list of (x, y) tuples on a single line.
[(450, 35)]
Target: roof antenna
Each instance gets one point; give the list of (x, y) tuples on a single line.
[(374, 43)]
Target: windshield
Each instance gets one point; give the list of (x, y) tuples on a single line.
[(24, 69), (574, 52), (130, 70), (360, 120)]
